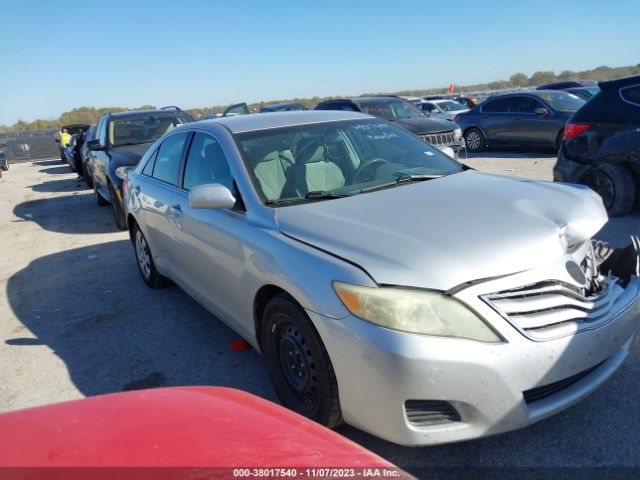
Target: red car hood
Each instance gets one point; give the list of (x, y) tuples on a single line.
[(172, 427)]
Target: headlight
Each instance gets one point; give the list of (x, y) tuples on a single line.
[(457, 134), (414, 311)]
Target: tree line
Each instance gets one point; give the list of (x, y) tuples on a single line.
[(89, 115)]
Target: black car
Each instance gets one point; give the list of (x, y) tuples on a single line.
[(533, 119), (85, 154), (601, 146), (567, 84), (283, 107), (439, 133), (4, 163), (121, 140)]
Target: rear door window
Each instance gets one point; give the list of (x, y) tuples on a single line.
[(169, 158), (631, 94)]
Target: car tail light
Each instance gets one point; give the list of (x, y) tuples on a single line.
[(574, 129)]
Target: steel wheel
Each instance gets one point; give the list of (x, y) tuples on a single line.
[(143, 255), (297, 364)]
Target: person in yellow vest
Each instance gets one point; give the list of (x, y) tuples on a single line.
[(65, 139)]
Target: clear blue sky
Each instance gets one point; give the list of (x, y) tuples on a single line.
[(55, 56)]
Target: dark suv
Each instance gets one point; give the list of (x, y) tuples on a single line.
[(601, 146), (121, 140), (439, 133)]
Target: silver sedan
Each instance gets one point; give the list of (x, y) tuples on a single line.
[(386, 284)]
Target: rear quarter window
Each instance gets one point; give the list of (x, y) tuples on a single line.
[(631, 94)]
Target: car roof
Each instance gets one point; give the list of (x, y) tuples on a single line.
[(264, 121), (133, 113), (533, 93)]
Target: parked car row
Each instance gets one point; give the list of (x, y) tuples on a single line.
[(386, 284), (4, 162)]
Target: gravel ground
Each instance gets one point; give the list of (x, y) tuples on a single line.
[(77, 321)]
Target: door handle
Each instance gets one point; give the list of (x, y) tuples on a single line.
[(175, 210)]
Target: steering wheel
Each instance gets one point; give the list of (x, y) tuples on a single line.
[(368, 167)]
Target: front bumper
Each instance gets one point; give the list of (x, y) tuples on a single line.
[(378, 370)]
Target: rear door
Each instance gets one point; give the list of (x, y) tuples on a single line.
[(158, 185), (497, 120), (210, 241), (100, 159)]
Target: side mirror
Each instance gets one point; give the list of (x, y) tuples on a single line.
[(543, 112), (211, 195), (95, 145)]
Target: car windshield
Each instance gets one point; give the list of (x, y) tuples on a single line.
[(390, 108), (140, 128), (562, 101), (451, 106), (329, 160)]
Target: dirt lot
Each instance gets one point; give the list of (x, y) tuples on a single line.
[(78, 321)]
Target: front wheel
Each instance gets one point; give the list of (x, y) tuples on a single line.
[(298, 363), (615, 184), (474, 140)]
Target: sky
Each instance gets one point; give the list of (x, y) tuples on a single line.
[(55, 56)]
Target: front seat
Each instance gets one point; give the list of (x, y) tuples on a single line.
[(270, 171)]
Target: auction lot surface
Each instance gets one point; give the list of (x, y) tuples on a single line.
[(76, 320)]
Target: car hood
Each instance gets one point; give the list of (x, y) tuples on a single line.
[(129, 154), (421, 126), (441, 233)]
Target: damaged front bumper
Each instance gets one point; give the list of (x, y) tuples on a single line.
[(420, 390)]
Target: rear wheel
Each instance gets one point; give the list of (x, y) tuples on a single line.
[(474, 140), (118, 212), (298, 363), (144, 260), (615, 184)]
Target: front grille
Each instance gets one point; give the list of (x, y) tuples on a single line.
[(430, 412), (550, 309), (538, 393), (439, 139)]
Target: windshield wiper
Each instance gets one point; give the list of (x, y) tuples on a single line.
[(324, 195), (407, 178)]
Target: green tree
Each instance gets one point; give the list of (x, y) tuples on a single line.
[(519, 79), (542, 77)]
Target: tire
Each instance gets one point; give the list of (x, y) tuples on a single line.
[(100, 200), (308, 385), (615, 184), (118, 212), (87, 176), (559, 139), (144, 260), (474, 140)]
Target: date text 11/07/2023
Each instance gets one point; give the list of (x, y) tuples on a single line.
[(319, 473)]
